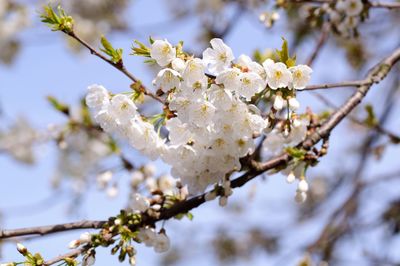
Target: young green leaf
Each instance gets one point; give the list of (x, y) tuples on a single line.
[(284, 55), (115, 54), (56, 22)]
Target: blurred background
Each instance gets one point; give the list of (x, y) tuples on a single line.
[(352, 216)]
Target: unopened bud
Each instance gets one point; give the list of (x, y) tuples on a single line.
[(303, 186), (300, 197), (278, 102), (290, 178), (210, 195), (223, 201), (22, 249), (294, 104), (74, 244)]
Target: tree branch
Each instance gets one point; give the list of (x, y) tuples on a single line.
[(73, 254), (118, 66), (388, 5), (320, 43), (375, 4), (355, 83), (50, 229)]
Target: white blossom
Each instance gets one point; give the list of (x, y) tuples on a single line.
[(247, 64), (122, 108), (290, 178), (137, 178), (350, 7), (303, 186), (85, 238), (293, 103), (251, 83), (178, 65), (161, 243), (74, 244), (139, 203), (201, 113), (278, 75), (300, 197), (278, 102), (112, 191), (301, 75), (149, 169), (230, 78), (167, 79), (163, 52), (167, 184), (103, 179), (219, 57), (97, 97), (88, 260), (210, 124), (147, 236)]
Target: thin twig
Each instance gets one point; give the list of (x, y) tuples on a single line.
[(73, 254), (320, 43), (388, 5), (355, 120), (354, 83), (50, 229), (376, 4), (118, 66)]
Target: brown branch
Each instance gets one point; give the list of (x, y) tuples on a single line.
[(375, 4), (50, 229), (320, 43), (378, 127), (375, 75), (355, 83), (118, 66), (338, 223), (388, 5), (72, 254)]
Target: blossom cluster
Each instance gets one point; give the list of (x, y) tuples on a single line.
[(159, 241), (19, 140), (209, 111), (13, 18), (345, 15)]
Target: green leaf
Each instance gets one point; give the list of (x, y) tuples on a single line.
[(106, 45), (63, 108), (150, 61), (115, 54), (151, 40), (284, 55), (284, 52), (291, 62), (190, 216), (371, 119), (140, 49), (56, 22), (296, 153)]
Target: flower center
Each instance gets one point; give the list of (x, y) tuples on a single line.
[(223, 57), (166, 49), (246, 81), (298, 74), (278, 74)]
